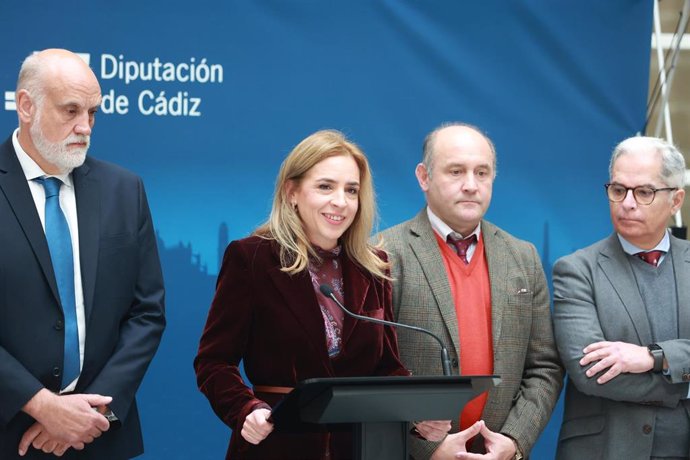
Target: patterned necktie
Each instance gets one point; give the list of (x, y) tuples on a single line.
[(60, 246), (461, 246), (651, 257)]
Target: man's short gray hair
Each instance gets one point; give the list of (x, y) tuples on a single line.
[(672, 161)]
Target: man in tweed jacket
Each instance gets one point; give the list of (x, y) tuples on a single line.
[(456, 175)]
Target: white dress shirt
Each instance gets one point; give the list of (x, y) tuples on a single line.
[(664, 246), (68, 204), (443, 230)]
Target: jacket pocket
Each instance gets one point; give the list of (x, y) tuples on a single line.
[(582, 426), (117, 241)]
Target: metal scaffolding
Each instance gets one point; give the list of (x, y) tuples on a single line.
[(659, 96)]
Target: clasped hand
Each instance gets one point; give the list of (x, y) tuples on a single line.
[(454, 446), (64, 421)]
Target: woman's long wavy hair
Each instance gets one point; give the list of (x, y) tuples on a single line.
[(284, 224)]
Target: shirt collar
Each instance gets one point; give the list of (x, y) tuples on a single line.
[(31, 169), (629, 248), (444, 230)]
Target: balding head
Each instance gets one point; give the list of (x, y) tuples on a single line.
[(459, 189), (57, 97), (41, 69), (452, 127)]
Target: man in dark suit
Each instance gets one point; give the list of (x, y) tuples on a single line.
[(483, 292), (81, 290), (622, 318)]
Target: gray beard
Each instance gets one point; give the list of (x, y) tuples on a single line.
[(57, 153)]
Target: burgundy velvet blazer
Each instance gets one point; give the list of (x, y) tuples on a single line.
[(273, 322)]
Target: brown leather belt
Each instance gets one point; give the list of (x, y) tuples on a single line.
[(272, 389)]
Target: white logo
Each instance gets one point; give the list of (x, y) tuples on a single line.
[(150, 101), (86, 57), (10, 103)]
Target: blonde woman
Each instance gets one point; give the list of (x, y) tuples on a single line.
[(269, 313)]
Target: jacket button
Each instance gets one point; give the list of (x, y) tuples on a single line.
[(56, 371), (58, 325), (646, 429)]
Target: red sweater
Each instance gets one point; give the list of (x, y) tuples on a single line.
[(471, 291)]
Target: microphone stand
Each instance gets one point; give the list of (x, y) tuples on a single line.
[(445, 360)]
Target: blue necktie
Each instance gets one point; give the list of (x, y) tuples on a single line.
[(60, 246)]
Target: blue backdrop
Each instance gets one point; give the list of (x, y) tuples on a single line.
[(204, 100)]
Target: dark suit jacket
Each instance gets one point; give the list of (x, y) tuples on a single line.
[(272, 321), (596, 298), (123, 301), (524, 350)]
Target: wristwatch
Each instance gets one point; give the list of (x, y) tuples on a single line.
[(658, 355), (518, 454), (112, 419)]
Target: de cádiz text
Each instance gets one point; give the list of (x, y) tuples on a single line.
[(171, 85)]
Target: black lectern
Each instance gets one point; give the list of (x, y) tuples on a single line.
[(378, 407)]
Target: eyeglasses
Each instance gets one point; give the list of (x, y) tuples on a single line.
[(643, 194)]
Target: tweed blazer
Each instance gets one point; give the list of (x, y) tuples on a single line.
[(525, 355), (596, 298)]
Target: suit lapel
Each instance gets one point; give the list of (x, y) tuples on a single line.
[(356, 290), (88, 215), (423, 243), (497, 258), (616, 267), (680, 251), (16, 190), (299, 297)]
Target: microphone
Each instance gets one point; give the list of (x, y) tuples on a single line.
[(327, 290)]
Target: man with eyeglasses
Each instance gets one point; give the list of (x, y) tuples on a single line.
[(622, 318)]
